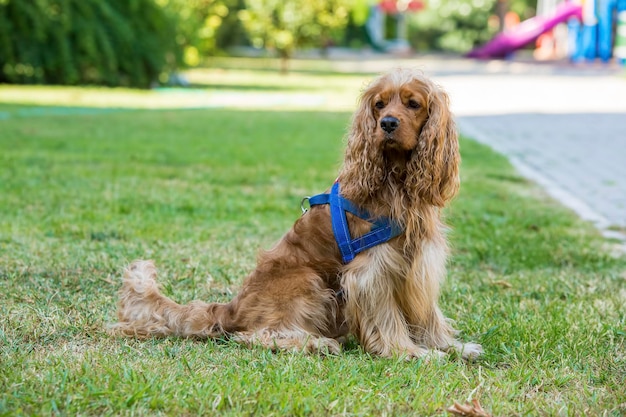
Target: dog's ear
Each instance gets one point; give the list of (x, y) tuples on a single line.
[(434, 166), (363, 163)]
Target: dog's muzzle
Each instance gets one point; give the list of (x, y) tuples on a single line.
[(389, 123)]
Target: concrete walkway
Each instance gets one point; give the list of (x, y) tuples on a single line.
[(563, 127)]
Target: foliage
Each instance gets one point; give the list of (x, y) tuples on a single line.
[(451, 25), (458, 25), (113, 42), (284, 25), (205, 27)]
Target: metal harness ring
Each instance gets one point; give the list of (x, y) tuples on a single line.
[(305, 205)]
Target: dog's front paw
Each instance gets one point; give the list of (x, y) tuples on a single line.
[(434, 356), (425, 355), (470, 351)]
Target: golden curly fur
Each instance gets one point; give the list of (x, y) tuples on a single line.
[(402, 162)]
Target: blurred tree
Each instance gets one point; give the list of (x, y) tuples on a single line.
[(112, 42), (284, 25), (452, 25), (205, 27), (459, 25)]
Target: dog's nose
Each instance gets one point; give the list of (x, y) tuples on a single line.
[(389, 123)]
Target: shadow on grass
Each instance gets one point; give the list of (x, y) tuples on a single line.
[(20, 111)]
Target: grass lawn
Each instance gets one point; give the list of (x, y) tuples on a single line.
[(83, 191)]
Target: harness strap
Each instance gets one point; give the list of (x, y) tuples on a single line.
[(346, 204), (383, 229)]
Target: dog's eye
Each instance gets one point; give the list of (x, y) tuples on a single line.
[(413, 104), (379, 105)]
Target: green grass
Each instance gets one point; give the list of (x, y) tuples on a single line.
[(199, 191), (210, 88)]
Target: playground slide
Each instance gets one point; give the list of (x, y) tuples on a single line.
[(526, 32)]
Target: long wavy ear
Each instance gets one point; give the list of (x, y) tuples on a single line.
[(433, 171), (363, 171)]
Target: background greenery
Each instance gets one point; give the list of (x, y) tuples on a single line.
[(284, 25), (140, 43), (112, 42), (460, 25), (205, 27), (85, 190)]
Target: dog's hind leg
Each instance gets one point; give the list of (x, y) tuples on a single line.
[(143, 311), (287, 309), (289, 340)]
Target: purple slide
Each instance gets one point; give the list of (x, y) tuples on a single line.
[(526, 32)]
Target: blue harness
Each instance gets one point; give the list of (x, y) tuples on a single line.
[(383, 229)]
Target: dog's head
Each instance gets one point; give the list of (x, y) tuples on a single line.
[(404, 118)]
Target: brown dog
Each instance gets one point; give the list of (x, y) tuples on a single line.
[(401, 164)]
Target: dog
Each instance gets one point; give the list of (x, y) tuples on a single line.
[(311, 290)]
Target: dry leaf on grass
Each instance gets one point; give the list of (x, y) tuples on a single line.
[(468, 410)]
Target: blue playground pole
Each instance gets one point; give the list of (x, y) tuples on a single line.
[(604, 10), (588, 41), (574, 29)]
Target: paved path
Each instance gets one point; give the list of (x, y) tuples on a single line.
[(561, 126)]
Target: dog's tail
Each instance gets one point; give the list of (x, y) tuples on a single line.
[(143, 311)]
